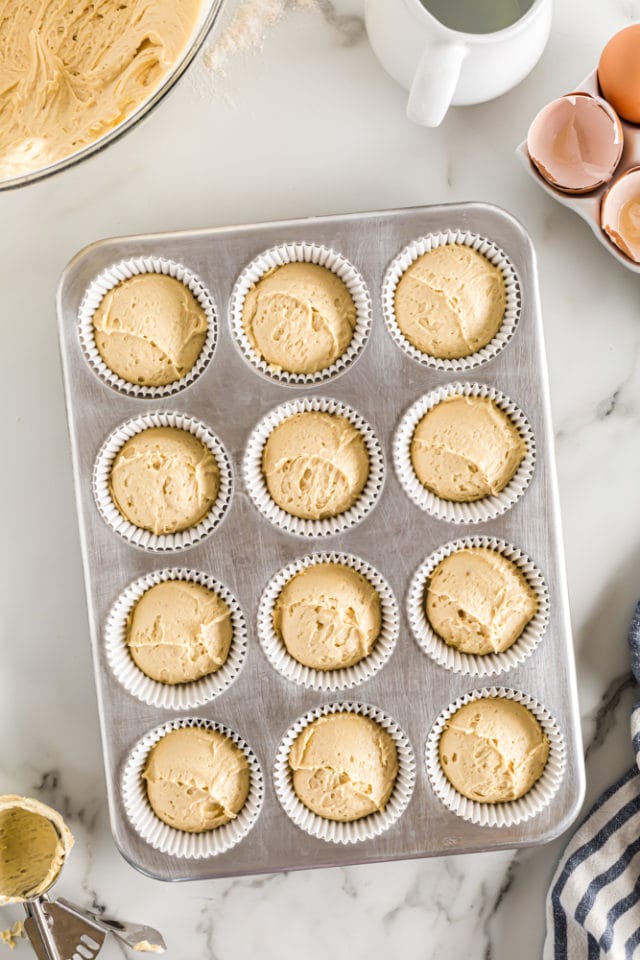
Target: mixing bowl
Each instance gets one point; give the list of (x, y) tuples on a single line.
[(208, 16)]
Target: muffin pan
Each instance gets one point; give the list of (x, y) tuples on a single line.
[(246, 550)]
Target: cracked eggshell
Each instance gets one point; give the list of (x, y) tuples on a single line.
[(620, 213), (575, 143)]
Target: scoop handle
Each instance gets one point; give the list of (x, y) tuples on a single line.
[(39, 931), (435, 82)]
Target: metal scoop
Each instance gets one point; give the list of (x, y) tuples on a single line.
[(59, 934), (59, 930)]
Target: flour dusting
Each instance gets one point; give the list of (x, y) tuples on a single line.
[(248, 28)]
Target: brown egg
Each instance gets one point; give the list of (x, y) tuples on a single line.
[(620, 213), (619, 73), (575, 142)]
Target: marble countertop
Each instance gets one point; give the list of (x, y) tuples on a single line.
[(310, 124)]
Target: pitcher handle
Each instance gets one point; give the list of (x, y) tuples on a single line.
[(435, 83)]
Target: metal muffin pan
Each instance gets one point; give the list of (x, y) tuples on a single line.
[(246, 550)]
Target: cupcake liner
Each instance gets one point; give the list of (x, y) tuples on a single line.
[(136, 535), (495, 255), (366, 828), (345, 677), (115, 275), (179, 843), (181, 696), (301, 252), (475, 511), (514, 811), (477, 665), (257, 487)]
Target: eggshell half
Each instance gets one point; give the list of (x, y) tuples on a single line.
[(620, 213), (576, 142)]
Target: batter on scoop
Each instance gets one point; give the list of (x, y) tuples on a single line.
[(34, 843)]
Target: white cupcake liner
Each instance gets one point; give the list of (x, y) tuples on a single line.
[(181, 696), (495, 255), (474, 511), (344, 677), (301, 252), (179, 843), (110, 278), (477, 665), (136, 535), (366, 828), (512, 812), (257, 487)]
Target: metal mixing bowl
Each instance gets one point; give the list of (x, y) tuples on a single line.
[(208, 16)]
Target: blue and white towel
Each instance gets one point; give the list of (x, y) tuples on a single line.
[(593, 905)]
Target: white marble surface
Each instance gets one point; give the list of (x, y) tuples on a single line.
[(311, 125)]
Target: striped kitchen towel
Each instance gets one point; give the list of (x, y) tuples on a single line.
[(593, 905)]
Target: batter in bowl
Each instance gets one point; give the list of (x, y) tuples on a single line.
[(71, 70)]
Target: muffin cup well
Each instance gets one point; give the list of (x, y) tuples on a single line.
[(137, 536), (300, 252), (474, 511), (257, 486), (179, 843), (495, 255), (512, 812), (366, 828), (114, 275), (344, 677), (477, 665), (179, 696)]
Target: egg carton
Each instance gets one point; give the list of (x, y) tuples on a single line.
[(246, 550), (588, 205)]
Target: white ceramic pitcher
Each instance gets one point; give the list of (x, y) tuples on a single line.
[(441, 67)]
